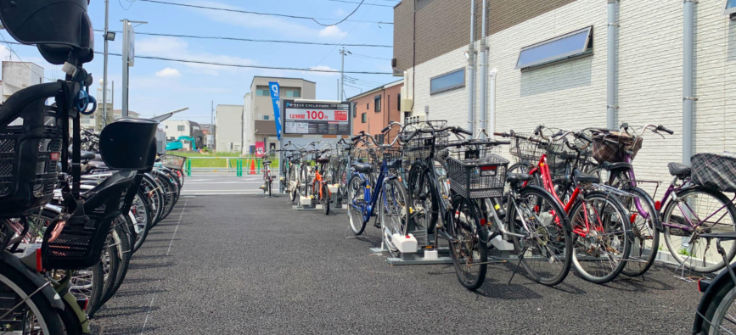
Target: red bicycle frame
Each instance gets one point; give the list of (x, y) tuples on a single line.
[(543, 169)]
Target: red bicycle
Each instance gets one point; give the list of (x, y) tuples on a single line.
[(600, 224)]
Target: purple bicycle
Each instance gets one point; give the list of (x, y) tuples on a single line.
[(615, 151)]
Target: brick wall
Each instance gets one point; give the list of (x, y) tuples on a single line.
[(376, 121)]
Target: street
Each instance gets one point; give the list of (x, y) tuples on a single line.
[(241, 264)]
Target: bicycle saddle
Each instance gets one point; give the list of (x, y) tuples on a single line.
[(585, 178), (616, 166), (362, 167), (681, 171), (517, 178)]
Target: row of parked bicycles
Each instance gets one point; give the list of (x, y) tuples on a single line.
[(569, 200), (74, 205)]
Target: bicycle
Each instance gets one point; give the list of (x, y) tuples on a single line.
[(267, 178), (599, 223), (715, 313), (317, 189), (615, 152), (385, 192), (693, 208)]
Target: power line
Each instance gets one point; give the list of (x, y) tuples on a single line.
[(242, 39), (194, 61), (315, 20), (365, 4), (349, 15)]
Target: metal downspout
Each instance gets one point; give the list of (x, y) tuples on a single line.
[(471, 70), (688, 80), (483, 73), (612, 63)]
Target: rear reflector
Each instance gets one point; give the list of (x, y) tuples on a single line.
[(39, 261), (489, 168)]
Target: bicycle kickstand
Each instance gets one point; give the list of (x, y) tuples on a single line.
[(516, 269)]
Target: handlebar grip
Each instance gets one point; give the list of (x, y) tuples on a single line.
[(665, 129), (538, 129), (624, 125), (462, 131), (502, 134), (385, 129), (356, 137)]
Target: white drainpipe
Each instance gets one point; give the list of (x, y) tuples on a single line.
[(612, 62), (688, 80), (483, 73), (471, 70)]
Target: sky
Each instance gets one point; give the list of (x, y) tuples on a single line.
[(157, 87)]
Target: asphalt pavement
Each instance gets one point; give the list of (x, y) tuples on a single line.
[(245, 264)]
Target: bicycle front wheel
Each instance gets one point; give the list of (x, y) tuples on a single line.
[(601, 231), (25, 310), (356, 205), (394, 209), (698, 210), (546, 250), (720, 316), (469, 253)]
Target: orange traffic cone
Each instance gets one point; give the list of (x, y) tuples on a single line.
[(253, 166)]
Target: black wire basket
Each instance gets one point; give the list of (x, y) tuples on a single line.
[(563, 158), (477, 177), (527, 148), (418, 144), (29, 159)]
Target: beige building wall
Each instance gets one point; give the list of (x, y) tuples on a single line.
[(229, 125)]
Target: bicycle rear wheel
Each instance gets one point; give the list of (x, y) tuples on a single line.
[(469, 253), (711, 212), (720, 316), (601, 231), (546, 250)]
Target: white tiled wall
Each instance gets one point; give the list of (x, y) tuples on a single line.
[(572, 94)]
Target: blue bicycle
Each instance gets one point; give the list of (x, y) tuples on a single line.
[(384, 195)]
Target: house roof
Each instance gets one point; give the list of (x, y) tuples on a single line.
[(376, 89)]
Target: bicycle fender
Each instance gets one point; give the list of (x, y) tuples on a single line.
[(657, 218), (47, 291), (716, 285)]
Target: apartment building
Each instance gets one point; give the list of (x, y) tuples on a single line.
[(258, 117), (374, 109), (575, 64)]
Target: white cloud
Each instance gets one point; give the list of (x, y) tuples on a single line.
[(171, 47), (322, 68), (168, 72), (332, 32)]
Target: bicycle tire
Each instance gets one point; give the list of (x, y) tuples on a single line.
[(355, 216), (547, 217), (470, 243), (124, 249), (104, 274), (598, 246), (393, 193), (669, 232), (142, 227), (423, 203), (717, 309), (639, 262), (17, 287), (325, 199)]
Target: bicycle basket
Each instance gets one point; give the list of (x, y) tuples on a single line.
[(716, 171), (559, 158), (29, 157), (419, 146), (82, 238), (173, 161), (527, 148), (478, 178), (612, 147)]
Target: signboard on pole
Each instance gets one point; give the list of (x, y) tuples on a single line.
[(260, 149), (276, 100), (316, 118)]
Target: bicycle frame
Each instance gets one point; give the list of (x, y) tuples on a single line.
[(371, 196), (672, 191)]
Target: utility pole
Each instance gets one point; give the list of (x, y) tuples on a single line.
[(104, 71), (128, 58), (343, 52)]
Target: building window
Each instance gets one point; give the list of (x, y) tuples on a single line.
[(730, 7), (575, 44), (292, 92), (263, 91), (398, 102), (377, 104), (265, 117), (354, 106), (179, 128), (362, 118), (447, 82), (368, 106)]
